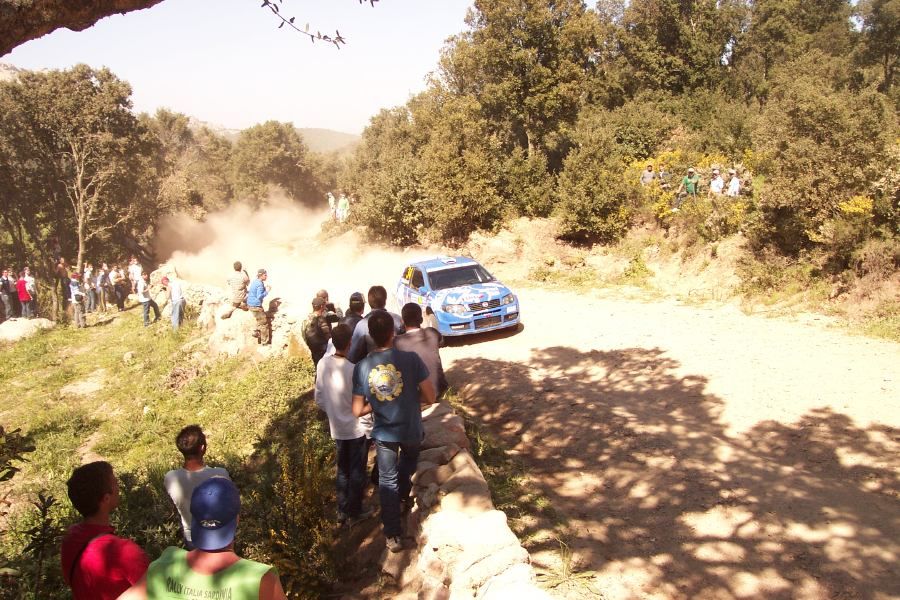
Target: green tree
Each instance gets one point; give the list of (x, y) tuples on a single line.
[(881, 37), (273, 154), (820, 145), (595, 203), (526, 64), (82, 149)]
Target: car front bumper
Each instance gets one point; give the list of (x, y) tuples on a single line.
[(478, 322)]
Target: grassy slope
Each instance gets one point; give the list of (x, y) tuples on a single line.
[(258, 417)]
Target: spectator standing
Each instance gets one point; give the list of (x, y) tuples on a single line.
[(237, 282), (26, 300), (175, 294), (343, 208), (103, 287), (121, 285), (212, 569), (134, 273), (90, 288), (424, 342), (334, 395), (31, 286), (147, 302), (689, 187), (391, 384), (181, 483), (734, 185), (664, 176), (716, 184), (255, 296), (97, 564), (332, 206), (330, 307), (76, 295), (647, 175), (317, 330), (362, 342), (355, 309), (7, 287)]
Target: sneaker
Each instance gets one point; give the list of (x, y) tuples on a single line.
[(394, 544)]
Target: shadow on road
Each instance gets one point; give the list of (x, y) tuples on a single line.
[(480, 338), (653, 493)]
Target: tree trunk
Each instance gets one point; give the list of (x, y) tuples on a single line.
[(30, 19)]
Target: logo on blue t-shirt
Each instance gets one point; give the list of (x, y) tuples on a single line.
[(385, 382)]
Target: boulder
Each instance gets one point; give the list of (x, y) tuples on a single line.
[(13, 330), (515, 582), (475, 568), (440, 455), (436, 410), (439, 436)]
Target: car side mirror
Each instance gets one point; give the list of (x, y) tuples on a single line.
[(422, 290)]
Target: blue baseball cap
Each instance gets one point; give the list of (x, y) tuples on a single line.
[(215, 505)]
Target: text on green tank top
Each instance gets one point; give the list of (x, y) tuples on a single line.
[(170, 577)]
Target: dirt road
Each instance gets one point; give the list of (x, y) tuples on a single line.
[(697, 452)]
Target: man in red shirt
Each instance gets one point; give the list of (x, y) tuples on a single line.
[(96, 563)]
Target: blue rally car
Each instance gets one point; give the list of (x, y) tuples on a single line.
[(458, 296)]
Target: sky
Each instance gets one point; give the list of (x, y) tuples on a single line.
[(226, 63)]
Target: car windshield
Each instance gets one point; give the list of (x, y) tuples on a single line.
[(450, 278)]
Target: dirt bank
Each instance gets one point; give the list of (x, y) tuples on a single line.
[(698, 452)]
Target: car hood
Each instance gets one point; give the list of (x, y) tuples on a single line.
[(468, 294)]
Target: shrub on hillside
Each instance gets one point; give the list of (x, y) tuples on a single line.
[(820, 145)]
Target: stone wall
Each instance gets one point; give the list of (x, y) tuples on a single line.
[(465, 547)]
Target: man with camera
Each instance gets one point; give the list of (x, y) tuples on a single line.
[(317, 328)]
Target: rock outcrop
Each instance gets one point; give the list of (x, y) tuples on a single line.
[(13, 330), (465, 547)]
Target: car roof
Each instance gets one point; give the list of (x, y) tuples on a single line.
[(444, 262)]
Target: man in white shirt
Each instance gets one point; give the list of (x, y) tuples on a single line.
[(143, 294), (716, 184), (734, 185), (176, 299), (180, 483), (334, 395), (134, 273)]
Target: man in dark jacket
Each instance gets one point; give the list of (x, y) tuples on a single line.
[(317, 330)]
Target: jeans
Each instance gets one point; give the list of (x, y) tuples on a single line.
[(7, 306), (78, 311), (177, 312), (396, 465), (91, 300), (27, 309), (351, 474), (147, 306)]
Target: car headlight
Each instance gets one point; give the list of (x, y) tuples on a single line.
[(508, 299), (454, 309)]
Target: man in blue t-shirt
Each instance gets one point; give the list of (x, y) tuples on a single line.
[(392, 384)]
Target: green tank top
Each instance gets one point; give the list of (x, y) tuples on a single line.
[(170, 577)]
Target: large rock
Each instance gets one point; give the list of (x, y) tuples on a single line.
[(13, 330)]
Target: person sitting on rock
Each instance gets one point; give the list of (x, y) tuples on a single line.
[(392, 384), (181, 483), (334, 395), (212, 569), (237, 285)]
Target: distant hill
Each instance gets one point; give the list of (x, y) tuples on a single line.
[(328, 140), (8, 72), (316, 139)]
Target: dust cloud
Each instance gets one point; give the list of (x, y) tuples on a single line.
[(283, 238)]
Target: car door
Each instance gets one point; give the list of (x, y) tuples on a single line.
[(416, 287), (402, 294)]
